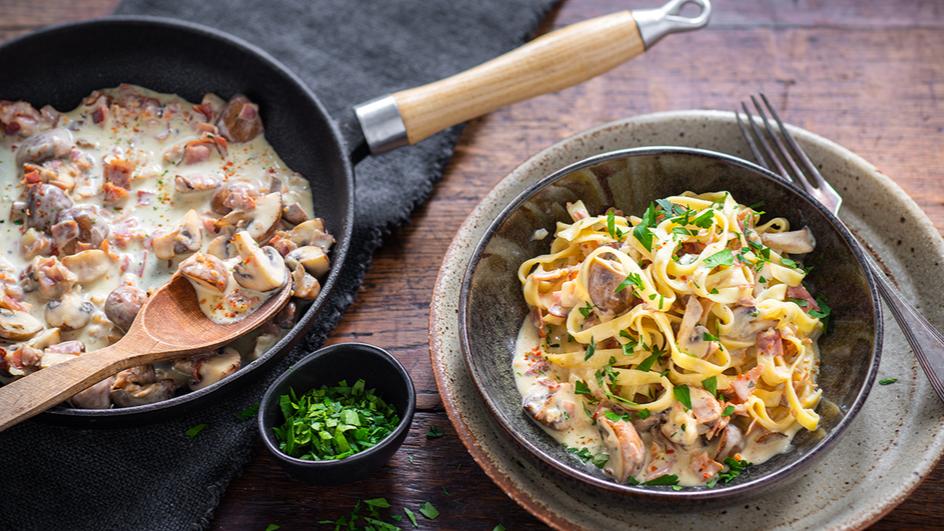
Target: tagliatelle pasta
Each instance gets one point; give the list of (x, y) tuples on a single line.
[(673, 348)]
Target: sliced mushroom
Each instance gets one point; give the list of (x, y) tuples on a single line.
[(221, 248), (180, 372), (206, 271), (294, 213), (210, 369), (267, 213), (123, 305), (314, 260), (18, 325), (35, 243), (679, 426), (793, 242), (234, 195), (260, 269), (186, 184), (602, 281), (88, 265), (263, 343), (240, 121), (625, 448), (44, 203), (186, 238), (87, 224), (138, 386), (96, 397), (46, 338), (551, 403), (70, 312), (312, 232), (728, 443), (304, 286), (52, 144)]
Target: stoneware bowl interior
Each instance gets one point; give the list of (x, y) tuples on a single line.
[(343, 361), (492, 308)]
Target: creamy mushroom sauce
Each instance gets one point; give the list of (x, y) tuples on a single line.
[(106, 201)]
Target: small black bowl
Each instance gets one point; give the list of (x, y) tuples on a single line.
[(328, 366)]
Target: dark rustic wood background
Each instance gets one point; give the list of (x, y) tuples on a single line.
[(868, 74)]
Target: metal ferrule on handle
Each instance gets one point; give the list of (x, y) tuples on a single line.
[(554, 61)]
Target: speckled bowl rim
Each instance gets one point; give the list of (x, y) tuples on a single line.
[(734, 489), (438, 341)]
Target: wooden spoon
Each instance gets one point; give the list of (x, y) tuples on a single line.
[(170, 325)]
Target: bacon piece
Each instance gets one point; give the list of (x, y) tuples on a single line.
[(800, 292), (118, 173)]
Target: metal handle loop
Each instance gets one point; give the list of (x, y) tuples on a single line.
[(656, 23)]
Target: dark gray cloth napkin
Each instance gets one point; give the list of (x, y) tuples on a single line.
[(153, 476)]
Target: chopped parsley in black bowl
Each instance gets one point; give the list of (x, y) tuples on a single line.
[(338, 414)]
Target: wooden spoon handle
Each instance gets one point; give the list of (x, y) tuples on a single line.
[(550, 63), (37, 392)]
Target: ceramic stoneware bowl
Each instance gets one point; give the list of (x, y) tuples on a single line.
[(492, 307), (327, 366)]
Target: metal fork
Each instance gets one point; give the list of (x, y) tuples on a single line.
[(770, 151)]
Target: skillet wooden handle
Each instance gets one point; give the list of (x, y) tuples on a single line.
[(550, 63)]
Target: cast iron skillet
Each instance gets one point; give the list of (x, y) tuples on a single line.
[(492, 309), (62, 64)]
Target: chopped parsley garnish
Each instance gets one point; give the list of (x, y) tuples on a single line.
[(682, 231), (668, 479), (760, 250), (714, 291), (705, 219), (591, 349), (711, 385), (735, 467), (586, 310), (887, 381), (498, 527), (789, 263), (411, 515), (723, 257), (641, 232), (429, 511), (248, 413), (824, 309), (193, 431), (611, 225), (683, 395), (643, 414), (434, 432), (633, 279), (580, 388), (762, 280), (272, 527), (615, 417), (728, 411), (585, 455), (647, 363), (708, 336), (330, 423)]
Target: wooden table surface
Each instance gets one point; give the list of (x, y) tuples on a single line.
[(868, 74)]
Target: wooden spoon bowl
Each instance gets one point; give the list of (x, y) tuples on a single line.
[(169, 326)]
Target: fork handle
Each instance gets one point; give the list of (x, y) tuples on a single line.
[(925, 340)]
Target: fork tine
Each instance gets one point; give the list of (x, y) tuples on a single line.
[(759, 135), (751, 143), (798, 176), (820, 181)]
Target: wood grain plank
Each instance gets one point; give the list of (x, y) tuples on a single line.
[(868, 74)]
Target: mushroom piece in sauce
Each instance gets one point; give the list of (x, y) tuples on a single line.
[(261, 268), (138, 386), (625, 448), (123, 305)]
